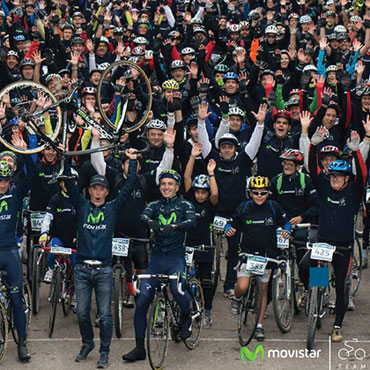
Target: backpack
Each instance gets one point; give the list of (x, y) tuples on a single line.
[(302, 180)]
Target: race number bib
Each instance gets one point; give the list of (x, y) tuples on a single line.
[(256, 265), (219, 223), (282, 243), (60, 250), (120, 247), (189, 255), (322, 252), (36, 221)]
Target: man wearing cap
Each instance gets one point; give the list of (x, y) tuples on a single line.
[(96, 221)]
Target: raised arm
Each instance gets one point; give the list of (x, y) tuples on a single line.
[(202, 130), (195, 151), (168, 155)]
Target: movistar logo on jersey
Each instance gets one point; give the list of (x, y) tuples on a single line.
[(167, 221), (3, 206), (248, 222), (91, 219), (246, 354)]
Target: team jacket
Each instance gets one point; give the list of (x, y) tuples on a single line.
[(96, 225), (170, 211)]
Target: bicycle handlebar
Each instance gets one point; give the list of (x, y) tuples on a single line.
[(176, 277), (200, 248)]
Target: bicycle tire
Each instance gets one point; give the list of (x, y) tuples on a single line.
[(312, 317), (175, 324), (54, 299), (356, 267), (282, 302), (14, 89), (118, 301), (36, 280), (320, 301), (217, 262), (197, 311), (144, 84), (158, 333), (250, 311), (4, 330), (27, 305), (68, 290)]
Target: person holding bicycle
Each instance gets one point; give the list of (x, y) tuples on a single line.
[(96, 221), (170, 218), (11, 201), (258, 220), (339, 200)]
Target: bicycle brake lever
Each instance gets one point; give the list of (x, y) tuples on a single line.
[(179, 285), (134, 285)]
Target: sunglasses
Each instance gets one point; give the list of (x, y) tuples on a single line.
[(260, 193)]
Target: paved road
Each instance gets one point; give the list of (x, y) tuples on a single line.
[(219, 347)]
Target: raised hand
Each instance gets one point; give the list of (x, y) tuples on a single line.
[(323, 43), (319, 135), (203, 111), (306, 120), (37, 57), (197, 149), (365, 124), (261, 114), (211, 166), (169, 136), (353, 142)]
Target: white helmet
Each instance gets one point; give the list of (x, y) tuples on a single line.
[(156, 124), (271, 29), (331, 68), (305, 19), (236, 111), (310, 68), (340, 29)]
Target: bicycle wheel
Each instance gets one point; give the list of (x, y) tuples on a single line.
[(3, 332), (312, 317), (36, 280), (20, 98), (250, 311), (320, 306), (282, 301), (118, 300), (197, 311), (158, 333), (27, 306), (54, 298), (356, 267), (216, 261), (68, 290), (175, 324), (132, 82)]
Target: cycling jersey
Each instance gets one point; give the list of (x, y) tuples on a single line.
[(170, 211)]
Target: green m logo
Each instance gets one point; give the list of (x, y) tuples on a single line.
[(248, 222), (246, 354), (168, 221), (91, 219), (3, 205)]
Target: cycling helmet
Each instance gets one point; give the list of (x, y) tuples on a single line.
[(340, 29), (293, 155), (236, 111), (12, 53), (64, 71), (138, 51), (340, 166), (259, 182), (201, 182), (67, 26), (196, 21), (366, 91), (187, 51), (52, 76), (88, 90), (267, 72), (27, 62), (228, 139), (117, 31), (234, 28), (271, 30), (330, 150), (156, 124), (355, 19), (292, 102), (331, 68), (170, 174), (293, 16), (284, 114), (133, 60), (6, 172), (104, 39), (343, 36), (244, 25), (170, 85), (305, 19), (309, 68), (332, 37), (230, 76), (177, 64), (103, 66), (140, 40), (222, 68), (10, 154), (77, 40), (2, 14)]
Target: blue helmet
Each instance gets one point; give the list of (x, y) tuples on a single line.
[(201, 182), (340, 166), (230, 76)]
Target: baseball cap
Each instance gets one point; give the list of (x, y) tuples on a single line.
[(99, 180)]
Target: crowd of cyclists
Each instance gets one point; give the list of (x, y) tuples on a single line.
[(260, 115)]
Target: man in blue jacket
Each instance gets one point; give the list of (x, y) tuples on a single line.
[(96, 222)]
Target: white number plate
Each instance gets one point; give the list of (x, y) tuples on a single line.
[(60, 250), (189, 255), (219, 223), (322, 252), (36, 221), (256, 265), (120, 247), (282, 243)]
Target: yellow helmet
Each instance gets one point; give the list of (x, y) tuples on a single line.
[(259, 182), (170, 85)]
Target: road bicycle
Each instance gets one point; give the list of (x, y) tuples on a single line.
[(120, 250), (251, 304), (7, 323), (62, 284), (35, 112), (165, 317)]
